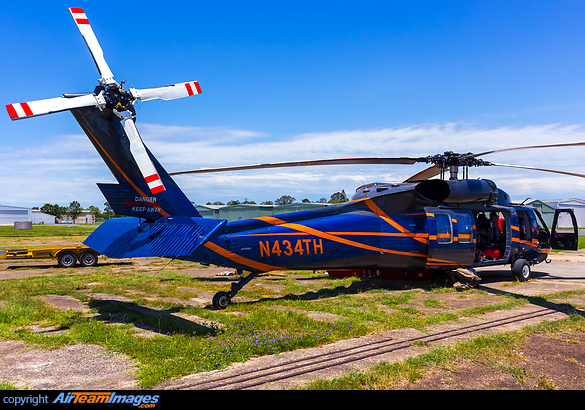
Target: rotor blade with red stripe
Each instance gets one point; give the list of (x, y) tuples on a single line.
[(169, 92), (92, 43), (140, 155), (41, 107)]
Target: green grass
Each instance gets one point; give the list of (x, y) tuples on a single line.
[(47, 230), (185, 339), (265, 325)]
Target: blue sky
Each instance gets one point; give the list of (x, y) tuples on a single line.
[(298, 80)]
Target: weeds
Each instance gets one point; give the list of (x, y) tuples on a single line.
[(155, 323)]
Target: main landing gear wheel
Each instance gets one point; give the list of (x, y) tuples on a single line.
[(221, 300), (521, 270), (67, 259)]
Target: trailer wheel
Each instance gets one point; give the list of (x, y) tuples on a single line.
[(67, 259), (88, 258), (521, 270)]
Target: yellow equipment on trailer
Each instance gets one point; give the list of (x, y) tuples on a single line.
[(67, 255)]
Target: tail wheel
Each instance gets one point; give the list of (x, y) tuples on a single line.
[(521, 270), (221, 300), (88, 258), (67, 259)]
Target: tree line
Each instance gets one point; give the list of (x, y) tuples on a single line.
[(335, 198), (74, 210)]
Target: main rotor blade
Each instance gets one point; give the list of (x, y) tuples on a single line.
[(92, 43), (570, 144), (169, 92), (539, 169), (425, 174), (338, 161), (139, 153), (51, 105)]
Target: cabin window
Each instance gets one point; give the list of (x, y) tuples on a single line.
[(465, 228), (444, 228)]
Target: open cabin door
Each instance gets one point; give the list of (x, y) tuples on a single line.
[(565, 232), (452, 238)]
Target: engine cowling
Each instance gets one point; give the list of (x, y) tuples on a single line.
[(458, 191)]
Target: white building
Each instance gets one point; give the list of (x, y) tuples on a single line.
[(10, 214), (38, 217), (576, 204)]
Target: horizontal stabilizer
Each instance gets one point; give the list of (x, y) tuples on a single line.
[(124, 201), (170, 236)]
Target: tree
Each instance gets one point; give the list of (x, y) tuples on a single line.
[(322, 201), (284, 200), (338, 197), (74, 209), (267, 203), (95, 211), (306, 201), (55, 210), (233, 202), (108, 211)]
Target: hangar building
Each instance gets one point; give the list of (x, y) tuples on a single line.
[(547, 208), (245, 211), (11, 214)]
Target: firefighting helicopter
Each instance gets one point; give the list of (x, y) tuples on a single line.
[(421, 224)]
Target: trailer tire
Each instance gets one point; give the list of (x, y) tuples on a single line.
[(67, 259), (88, 258), (521, 270)]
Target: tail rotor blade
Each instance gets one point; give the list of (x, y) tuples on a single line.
[(139, 153), (41, 107), (169, 92), (92, 43)]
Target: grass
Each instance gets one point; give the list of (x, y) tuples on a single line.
[(275, 314), (47, 230)]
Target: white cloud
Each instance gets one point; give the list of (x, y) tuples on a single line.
[(68, 167)]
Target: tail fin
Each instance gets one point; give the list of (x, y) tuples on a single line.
[(131, 196)]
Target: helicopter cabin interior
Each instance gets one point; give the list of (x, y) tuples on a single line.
[(492, 235)]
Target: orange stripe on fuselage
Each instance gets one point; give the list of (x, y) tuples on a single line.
[(240, 259), (376, 209), (302, 228)]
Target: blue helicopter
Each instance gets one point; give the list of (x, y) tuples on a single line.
[(419, 225)]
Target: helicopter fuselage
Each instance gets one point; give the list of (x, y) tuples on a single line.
[(395, 228)]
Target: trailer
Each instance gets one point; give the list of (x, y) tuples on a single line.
[(67, 255)]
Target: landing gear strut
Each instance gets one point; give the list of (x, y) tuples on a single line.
[(222, 299)]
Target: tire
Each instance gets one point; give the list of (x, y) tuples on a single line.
[(88, 258), (521, 270), (221, 300), (67, 259)]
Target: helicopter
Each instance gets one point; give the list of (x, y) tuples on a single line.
[(421, 224)]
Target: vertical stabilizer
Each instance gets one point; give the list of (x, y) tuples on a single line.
[(132, 195)]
